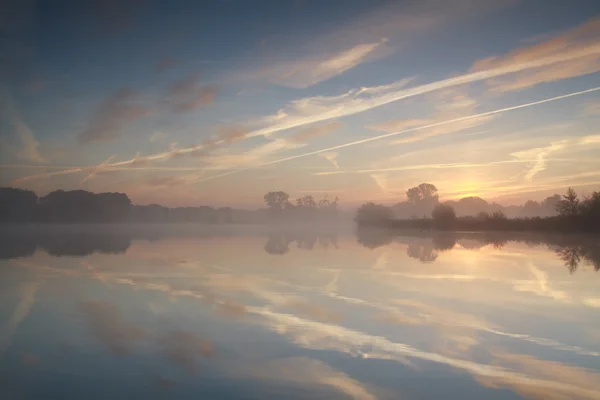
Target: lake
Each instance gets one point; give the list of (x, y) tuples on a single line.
[(114, 312)]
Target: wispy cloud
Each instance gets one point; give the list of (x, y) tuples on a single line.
[(164, 155), (580, 40), (306, 135), (447, 104), (320, 108), (29, 144), (425, 166), (107, 325), (331, 157), (7, 331), (592, 108), (188, 94), (311, 373), (591, 139), (310, 71), (112, 115), (156, 136), (381, 180), (540, 155)]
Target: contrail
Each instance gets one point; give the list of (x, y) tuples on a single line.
[(356, 106), (387, 135)]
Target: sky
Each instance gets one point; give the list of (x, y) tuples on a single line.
[(216, 103)]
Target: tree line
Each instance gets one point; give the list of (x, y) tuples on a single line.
[(80, 206), (570, 212)]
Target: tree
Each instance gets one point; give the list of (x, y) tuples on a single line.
[(277, 200), (590, 207), (498, 215), (569, 205), (423, 192), (549, 205), (306, 202), (17, 205), (373, 214), (443, 216)]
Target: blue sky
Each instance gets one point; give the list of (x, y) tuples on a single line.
[(187, 103)]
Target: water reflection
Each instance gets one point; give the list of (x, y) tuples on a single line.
[(219, 314)]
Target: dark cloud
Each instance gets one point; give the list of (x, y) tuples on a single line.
[(108, 327), (35, 86), (164, 64), (185, 349), (112, 115), (115, 16), (189, 94)]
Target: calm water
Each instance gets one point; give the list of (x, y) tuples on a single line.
[(130, 312)]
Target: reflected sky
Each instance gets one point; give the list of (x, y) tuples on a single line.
[(240, 313)]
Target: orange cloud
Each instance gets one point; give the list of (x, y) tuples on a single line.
[(578, 40)]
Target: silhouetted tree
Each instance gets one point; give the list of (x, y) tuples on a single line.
[(373, 214), (443, 216), (277, 202), (423, 192), (82, 206), (569, 205), (17, 205)]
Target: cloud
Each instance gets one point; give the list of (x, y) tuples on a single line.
[(591, 139), (321, 108), (314, 312), (110, 329), (228, 134), (331, 157), (307, 372), (112, 115), (164, 64), (592, 108), (329, 337), (448, 104), (572, 382), (381, 180), (583, 39), (306, 135), (541, 285), (114, 16), (29, 144), (98, 169), (185, 348), (540, 155), (310, 71), (187, 94), (7, 331), (164, 155), (35, 86), (156, 136)]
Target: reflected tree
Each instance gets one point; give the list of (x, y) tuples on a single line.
[(421, 252)]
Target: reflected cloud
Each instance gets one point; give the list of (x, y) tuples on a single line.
[(575, 382), (321, 336), (185, 349), (315, 312), (27, 299), (310, 373), (108, 327)]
